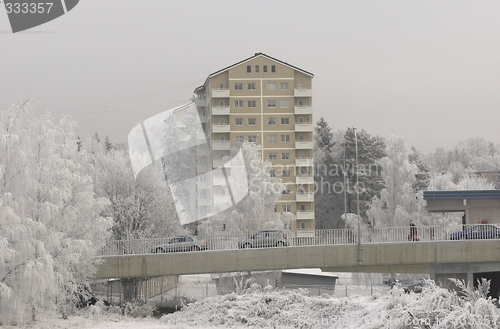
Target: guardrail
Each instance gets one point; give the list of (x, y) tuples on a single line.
[(316, 238)]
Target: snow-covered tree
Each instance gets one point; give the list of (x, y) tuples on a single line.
[(397, 200), (141, 208), (50, 219)]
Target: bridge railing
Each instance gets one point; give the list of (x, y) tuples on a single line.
[(315, 238)]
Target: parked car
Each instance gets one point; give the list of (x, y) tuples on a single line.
[(480, 231), (263, 239), (181, 243), (416, 288)]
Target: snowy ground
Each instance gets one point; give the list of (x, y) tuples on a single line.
[(267, 308)]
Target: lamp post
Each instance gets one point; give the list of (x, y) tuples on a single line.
[(357, 196)]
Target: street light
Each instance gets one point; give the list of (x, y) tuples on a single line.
[(357, 196)]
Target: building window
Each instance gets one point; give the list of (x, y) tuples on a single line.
[(257, 69), (271, 138), (284, 85), (285, 173), (238, 121), (249, 69), (285, 155), (272, 156), (238, 104), (252, 121), (285, 121), (252, 104), (238, 86), (272, 173), (302, 226), (271, 121), (251, 86), (273, 68), (238, 139), (284, 103), (275, 209), (271, 103), (271, 86), (286, 191), (285, 138), (286, 208), (264, 68), (252, 138)]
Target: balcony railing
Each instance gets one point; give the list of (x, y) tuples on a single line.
[(302, 92), (304, 197), (304, 126), (224, 128), (221, 145), (305, 214), (304, 180), (220, 110), (303, 144), (303, 110), (303, 162), (200, 101), (220, 92)]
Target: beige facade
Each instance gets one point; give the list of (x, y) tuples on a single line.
[(267, 101)]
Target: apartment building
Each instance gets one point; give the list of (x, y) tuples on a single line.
[(264, 100)]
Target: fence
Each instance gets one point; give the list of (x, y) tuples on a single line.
[(316, 238)]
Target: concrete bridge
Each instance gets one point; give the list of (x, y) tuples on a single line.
[(381, 253), (408, 257)]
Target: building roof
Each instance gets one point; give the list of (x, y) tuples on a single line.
[(461, 194), (250, 58)]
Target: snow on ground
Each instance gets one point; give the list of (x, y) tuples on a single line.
[(268, 308)]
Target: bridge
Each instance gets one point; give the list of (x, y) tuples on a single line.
[(384, 250)]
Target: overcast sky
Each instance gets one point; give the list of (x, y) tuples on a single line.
[(429, 70)]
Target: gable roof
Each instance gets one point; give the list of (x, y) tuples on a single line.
[(250, 58)]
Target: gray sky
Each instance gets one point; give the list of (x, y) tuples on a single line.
[(429, 70)]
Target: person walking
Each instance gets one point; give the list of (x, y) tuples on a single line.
[(413, 236)]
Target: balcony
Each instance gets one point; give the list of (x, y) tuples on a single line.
[(304, 197), (303, 162), (218, 128), (303, 110), (201, 185), (200, 101), (203, 118), (201, 152), (303, 145), (221, 146), (203, 202), (304, 180), (219, 180), (220, 110), (201, 169), (304, 127), (220, 92), (302, 92), (305, 214)]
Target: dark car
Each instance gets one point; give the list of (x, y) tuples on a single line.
[(181, 243), (416, 288), (263, 239), (480, 231)]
